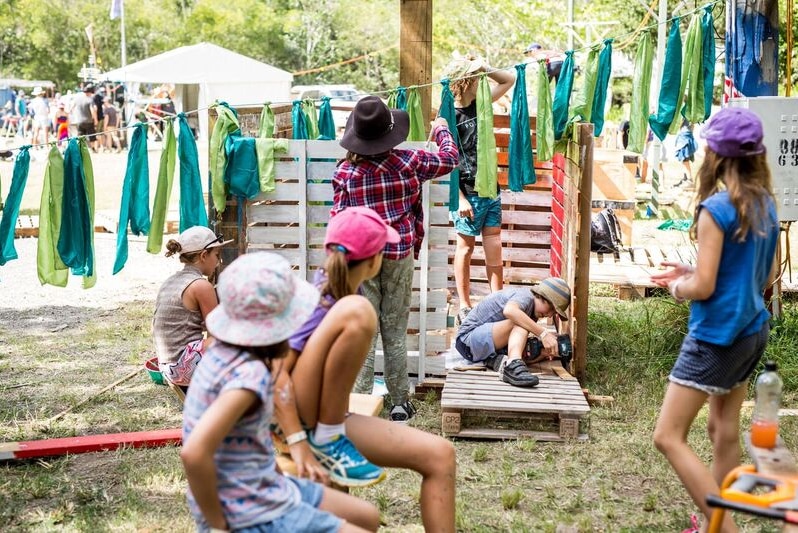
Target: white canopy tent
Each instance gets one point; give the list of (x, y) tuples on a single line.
[(205, 72)]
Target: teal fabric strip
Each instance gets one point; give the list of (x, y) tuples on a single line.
[(326, 122), (447, 111), (562, 95), (241, 174), (226, 124), (522, 167), (266, 123), (298, 122), (486, 178), (134, 208), (192, 200), (13, 201), (73, 240), (544, 127), (163, 190), (708, 58), (641, 91), (397, 99), (602, 82), (671, 82), (416, 115), (49, 267)]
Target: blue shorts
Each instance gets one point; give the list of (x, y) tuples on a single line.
[(487, 214), (305, 517), (476, 345), (716, 369)]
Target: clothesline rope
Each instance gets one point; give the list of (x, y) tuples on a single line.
[(386, 92)]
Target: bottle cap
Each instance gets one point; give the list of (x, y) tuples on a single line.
[(770, 366)]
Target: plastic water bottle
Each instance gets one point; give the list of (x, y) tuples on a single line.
[(765, 424)]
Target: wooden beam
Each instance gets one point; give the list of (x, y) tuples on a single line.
[(415, 50), (89, 443)]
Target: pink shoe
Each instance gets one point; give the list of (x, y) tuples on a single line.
[(694, 527)]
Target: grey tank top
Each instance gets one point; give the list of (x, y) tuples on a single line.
[(174, 326)]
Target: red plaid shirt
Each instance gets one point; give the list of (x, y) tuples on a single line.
[(392, 187)]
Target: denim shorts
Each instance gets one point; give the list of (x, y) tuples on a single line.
[(716, 369), (303, 518), (487, 214), (476, 345)]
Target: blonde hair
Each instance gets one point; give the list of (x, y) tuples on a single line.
[(336, 267), (749, 184), (189, 258)]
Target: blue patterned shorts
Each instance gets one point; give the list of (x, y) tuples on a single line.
[(715, 369), (487, 214)]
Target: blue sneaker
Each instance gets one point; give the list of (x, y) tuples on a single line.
[(346, 466)]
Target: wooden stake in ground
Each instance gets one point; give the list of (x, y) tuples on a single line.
[(90, 398)]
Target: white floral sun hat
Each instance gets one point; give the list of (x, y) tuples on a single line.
[(261, 301)]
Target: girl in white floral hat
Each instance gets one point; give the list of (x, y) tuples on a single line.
[(234, 483)]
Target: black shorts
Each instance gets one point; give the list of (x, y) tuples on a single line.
[(87, 128)]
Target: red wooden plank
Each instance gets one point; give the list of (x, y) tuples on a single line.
[(557, 212), (89, 443), (558, 193)]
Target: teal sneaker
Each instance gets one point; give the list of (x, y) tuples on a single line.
[(346, 466)]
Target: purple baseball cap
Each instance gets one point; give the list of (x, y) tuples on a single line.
[(734, 132)]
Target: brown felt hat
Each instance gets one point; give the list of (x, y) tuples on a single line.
[(372, 128), (557, 292)]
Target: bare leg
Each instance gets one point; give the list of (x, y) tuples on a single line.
[(462, 268), (361, 515), (326, 370), (644, 170), (689, 168), (724, 431), (395, 445), (679, 409), (492, 244)]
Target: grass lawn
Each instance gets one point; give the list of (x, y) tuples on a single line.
[(615, 482)]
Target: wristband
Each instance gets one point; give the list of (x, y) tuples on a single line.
[(294, 438), (673, 287), (543, 334)]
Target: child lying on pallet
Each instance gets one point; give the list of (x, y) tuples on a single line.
[(227, 449), (315, 380), (504, 320), (184, 300)]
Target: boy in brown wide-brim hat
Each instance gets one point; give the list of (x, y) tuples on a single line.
[(505, 319)]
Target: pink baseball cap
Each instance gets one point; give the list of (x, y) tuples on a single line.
[(360, 231)]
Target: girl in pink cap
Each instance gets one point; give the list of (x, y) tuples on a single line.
[(326, 354), (228, 455), (737, 231)]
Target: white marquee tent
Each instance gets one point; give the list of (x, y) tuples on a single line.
[(205, 72)]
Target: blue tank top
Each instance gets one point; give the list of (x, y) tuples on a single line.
[(737, 308)]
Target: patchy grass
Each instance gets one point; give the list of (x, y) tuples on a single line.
[(615, 482)]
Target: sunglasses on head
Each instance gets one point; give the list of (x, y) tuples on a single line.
[(219, 238)]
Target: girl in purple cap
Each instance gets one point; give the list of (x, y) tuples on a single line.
[(317, 377), (234, 483), (737, 230)]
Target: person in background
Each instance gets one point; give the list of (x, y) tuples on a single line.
[(233, 480), (376, 174), (111, 126), (501, 323), (61, 123), (686, 148), (554, 59), (85, 114), (40, 111), (475, 215), (183, 303), (737, 230)]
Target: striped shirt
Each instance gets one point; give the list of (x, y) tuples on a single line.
[(391, 185), (251, 491)]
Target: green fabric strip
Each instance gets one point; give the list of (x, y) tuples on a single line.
[(163, 190), (90, 278), (226, 124), (311, 118), (417, 130), (486, 178), (266, 123), (49, 267), (266, 150), (583, 104), (544, 127), (692, 77), (641, 90)]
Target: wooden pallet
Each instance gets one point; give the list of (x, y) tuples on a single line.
[(476, 404), (630, 270)]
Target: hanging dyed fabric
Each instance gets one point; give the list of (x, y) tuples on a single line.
[(135, 206), (486, 178), (691, 89), (192, 201), (266, 150), (298, 122), (669, 87), (241, 173), (311, 118), (89, 279), (163, 190), (417, 130), (583, 104), (544, 129), (446, 111), (641, 90), (74, 240), (522, 167), (326, 121), (226, 124), (562, 95), (266, 123), (49, 267), (397, 99), (708, 58), (11, 209), (602, 81)]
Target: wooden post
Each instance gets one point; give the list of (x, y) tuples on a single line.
[(415, 50), (582, 274)]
